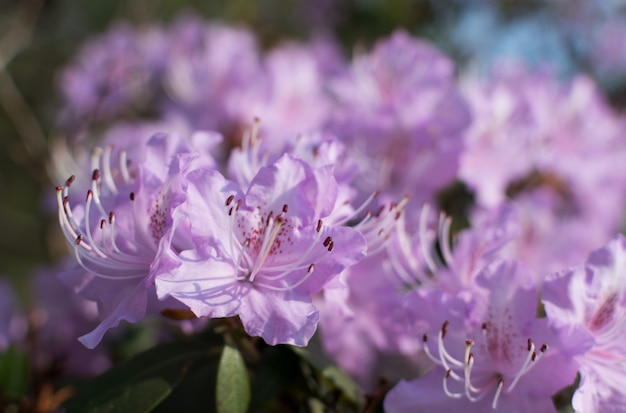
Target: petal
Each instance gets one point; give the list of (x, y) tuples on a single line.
[(278, 318)]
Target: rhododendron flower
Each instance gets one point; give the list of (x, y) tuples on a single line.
[(500, 357), (588, 304), (400, 114), (261, 254), (126, 220)]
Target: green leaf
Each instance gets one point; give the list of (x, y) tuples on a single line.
[(233, 386), (13, 372), (141, 383), (315, 357)]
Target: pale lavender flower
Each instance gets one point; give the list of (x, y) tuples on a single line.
[(127, 219), (206, 63), (287, 94), (261, 254), (363, 326), (588, 305), (112, 74), (491, 356), (400, 113), (555, 150)]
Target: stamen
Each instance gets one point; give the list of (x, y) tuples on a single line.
[(266, 246), (92, 243), (106, 169), (445, 386), (292, 286), (69, 181), (124, 166), (424, 239), (531, 358), (494, 403)]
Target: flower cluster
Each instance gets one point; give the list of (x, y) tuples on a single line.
[(294, 189)]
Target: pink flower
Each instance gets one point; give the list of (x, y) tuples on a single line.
[(588, 305), (261, 254)]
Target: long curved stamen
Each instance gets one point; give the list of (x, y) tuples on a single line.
[(291, 286), (494, 403), (273, 225), (100, 254), (424, 239), (444, 239), (377, 228), (362, 207), (445, 386), (107, 176), (124, 167), (90, 239), (531, 358), (238, 267)]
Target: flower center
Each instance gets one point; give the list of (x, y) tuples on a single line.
[(461, 370)]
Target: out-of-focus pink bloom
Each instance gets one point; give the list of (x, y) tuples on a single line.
[(400, 112), (499, 357), (588, 305), (127, 220)]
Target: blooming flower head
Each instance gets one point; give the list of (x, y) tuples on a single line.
[(288, 95), (206, 64), (502, 358), (588, 304), (261, 254), (110, 76), (119, 229), (402, 117)]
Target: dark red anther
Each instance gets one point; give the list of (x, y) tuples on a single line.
[(102, 223), (66, 200), (89, 195), (70, 180), (469, 342), (484, 326), (311, 268), (229, 200), (285, 208), (534, 356), (331, 245), (529, 344), (132, 196), (327, 241), (380, 211), (319, 225), (79, 239), (444, 328), (111, 217), (543, 348), (425, 338), (95, 175), (238, 205), (58, 188)]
